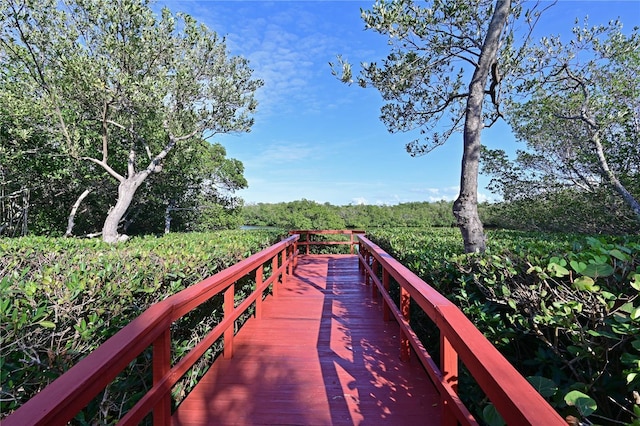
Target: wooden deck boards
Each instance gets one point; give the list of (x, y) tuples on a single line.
[(320, 355)]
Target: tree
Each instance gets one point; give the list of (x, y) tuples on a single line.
[(580, 118), (443, 75), (201, 199), (31, 163), (122, 87)]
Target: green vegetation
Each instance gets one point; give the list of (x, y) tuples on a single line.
[(599, 212), (305, 214), (564, 309), (62, 298), (87, 101)]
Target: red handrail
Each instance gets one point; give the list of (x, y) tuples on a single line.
[(306, 241), (61, 400), (513, 396)]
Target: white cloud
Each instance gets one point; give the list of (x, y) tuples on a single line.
[(280, 153), (288, 52), (431, 194)]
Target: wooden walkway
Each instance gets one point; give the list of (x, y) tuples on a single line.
[(320, 355)]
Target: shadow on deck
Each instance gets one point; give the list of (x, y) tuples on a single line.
[(321, 354)]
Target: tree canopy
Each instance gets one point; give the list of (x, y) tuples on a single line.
[(115, 88), (578, 111)]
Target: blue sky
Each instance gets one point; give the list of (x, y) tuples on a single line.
[(318, 139)]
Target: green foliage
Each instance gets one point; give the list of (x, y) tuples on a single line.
[(564, 210), (579, 122), (197, 186), (95, 100), (583, 403), (61, 298), (306, 214), (434, 48), (491, 416), (564, 309)]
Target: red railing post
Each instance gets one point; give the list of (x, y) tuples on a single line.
[(449, 369), (283, 253), (386, 310), (259, 273), (367, 260), (308, 241), (229, 305), (274, 272), (375, 268), (351, 243), (161, 366), (405, 304), (449, 363)]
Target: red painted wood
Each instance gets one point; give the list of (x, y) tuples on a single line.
[(454, 411), (513, 396), (229, 299), (322, 354), (161, 367), (306, 241), (61, 400), (259, 282), (386, 312), (405, 304), (274, 267), (448, 363), (449, 368)]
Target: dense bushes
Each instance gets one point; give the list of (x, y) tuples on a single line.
[(305, 214), (61, 298), (565, 310), (598, 212)]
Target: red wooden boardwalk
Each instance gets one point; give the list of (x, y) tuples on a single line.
[(320, 355)]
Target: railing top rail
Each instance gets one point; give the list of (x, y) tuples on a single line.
[(89, 376), (513, 396), (327, 231)]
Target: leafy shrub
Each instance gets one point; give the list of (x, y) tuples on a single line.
[(62, 298)]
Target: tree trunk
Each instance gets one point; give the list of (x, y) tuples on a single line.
[(465, 208), (126, 191), (74, 210), (612, 178)]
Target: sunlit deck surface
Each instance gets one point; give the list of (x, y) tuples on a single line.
[(321, 355)]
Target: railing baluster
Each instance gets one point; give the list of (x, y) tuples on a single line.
[(367, 259), (161, 366), (274, 269), (386, 311), (449, 369), (229, 302), (259, 273), (351, 243), (284, 262), (375, 267), (449, 363), (405, 304)]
